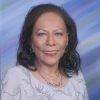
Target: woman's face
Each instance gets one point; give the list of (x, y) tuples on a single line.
[(49, 38)]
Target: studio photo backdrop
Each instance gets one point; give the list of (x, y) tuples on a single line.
[(86, 14)]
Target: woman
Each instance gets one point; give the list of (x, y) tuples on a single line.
[(48, 65)]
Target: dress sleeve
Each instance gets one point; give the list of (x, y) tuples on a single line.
[(10, 88), (83, 87)]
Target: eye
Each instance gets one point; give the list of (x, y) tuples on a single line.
[(41, 34), (59, 33)]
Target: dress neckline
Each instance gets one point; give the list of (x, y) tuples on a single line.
[(38, 82)]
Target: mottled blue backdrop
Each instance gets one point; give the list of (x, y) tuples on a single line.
[(86, 14)]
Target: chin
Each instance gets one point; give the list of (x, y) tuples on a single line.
[(51, 63)]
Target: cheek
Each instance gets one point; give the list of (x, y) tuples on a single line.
[(63, 44), (37, 45)]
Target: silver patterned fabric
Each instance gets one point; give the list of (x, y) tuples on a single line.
[(20, 84)]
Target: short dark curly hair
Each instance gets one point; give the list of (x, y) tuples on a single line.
[(70, 61)]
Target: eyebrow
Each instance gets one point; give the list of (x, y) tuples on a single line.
[(42, 30), (47, 30)]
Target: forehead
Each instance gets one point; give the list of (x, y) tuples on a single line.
[(49, 19)]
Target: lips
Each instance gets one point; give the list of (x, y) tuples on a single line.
[(51, 52)]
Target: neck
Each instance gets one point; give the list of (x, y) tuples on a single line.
[(50, 74), (49, 70)]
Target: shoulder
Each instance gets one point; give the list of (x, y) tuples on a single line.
[(80, 85), (16, 72), (78, 81), (13, 77), (79, 77)]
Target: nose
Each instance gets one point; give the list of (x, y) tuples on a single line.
[(50, 40)]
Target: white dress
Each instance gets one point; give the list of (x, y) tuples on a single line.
[(20, 84)]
